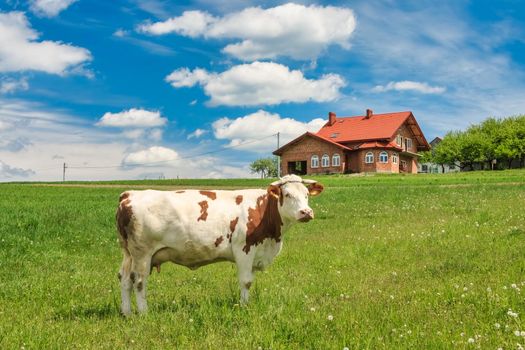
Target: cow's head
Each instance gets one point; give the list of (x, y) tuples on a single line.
[(292, 193)]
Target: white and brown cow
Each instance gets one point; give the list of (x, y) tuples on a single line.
[(195, 228)]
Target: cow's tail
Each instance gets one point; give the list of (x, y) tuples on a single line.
[(123, 219)]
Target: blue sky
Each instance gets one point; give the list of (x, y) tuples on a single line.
[(147, 88)]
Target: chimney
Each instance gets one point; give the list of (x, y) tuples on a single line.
[(331, 118), (369, 113)]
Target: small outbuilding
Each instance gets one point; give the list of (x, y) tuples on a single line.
[(387, 143)]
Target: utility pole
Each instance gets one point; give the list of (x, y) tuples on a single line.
[(64, 173), (278, 158)]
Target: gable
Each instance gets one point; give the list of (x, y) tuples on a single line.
[(310, 142)]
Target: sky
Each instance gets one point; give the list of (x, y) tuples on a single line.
[(146, 89)]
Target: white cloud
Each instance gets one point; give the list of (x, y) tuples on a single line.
[(120, 33), (93, 153), (20, 50), (293, 30), (155, 154), (49, 8), (136, 118), (259, 83), (191, 23), (407, 85), (248, 128), (10, 85), (5, 125), (197, 133), (9, 172)]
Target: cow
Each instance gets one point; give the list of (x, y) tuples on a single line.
[(194, 228)]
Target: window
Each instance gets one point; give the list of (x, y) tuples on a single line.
[(394, 157), (408, 144), (336, 160), (369, 158), (399, 140), (315, 161), (325, 161), (383, 157)]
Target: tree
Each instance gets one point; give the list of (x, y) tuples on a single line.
[(493, 139), (267, 167)]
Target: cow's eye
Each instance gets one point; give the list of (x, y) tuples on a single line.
[(287, 195)]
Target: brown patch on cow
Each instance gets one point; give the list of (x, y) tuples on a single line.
[(211, 195), (238, 199), (233, 224), (247, 285), (219, 240), (132, 277), (204, 211), (124, 216), (140, 285), (180, 191), (264, 221)]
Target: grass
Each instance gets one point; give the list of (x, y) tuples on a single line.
[(424, 262)]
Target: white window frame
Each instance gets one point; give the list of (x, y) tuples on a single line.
[(394, 158), (399, 140), (383, 156), (337, 157), (408, 143), (325, 161), (314, 161), (369, 160)]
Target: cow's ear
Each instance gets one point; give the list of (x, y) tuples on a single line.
[(315, 188), (274, 190)]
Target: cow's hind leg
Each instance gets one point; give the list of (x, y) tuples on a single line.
[(140, 269), (126, 284)]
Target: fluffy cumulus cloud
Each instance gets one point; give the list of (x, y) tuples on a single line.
[(134, 118), (49, 8), (293, 30), (9, 172), (21, 51), (407, 85), (259, 83), (151, 156), (244, 131)]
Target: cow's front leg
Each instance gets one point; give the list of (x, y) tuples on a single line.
[(246, 277)]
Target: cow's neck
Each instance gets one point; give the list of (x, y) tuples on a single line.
[(264, 221)]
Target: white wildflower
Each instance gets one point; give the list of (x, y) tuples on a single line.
[(330, 318), (471, 340)]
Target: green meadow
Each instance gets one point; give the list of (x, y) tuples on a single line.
[(390, 262)]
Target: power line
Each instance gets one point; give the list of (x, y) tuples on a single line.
[(174, 159)]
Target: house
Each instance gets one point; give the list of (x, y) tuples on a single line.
[(386, 143), (436, 168)]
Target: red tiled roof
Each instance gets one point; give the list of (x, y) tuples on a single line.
[(359, 128), (378, 144)]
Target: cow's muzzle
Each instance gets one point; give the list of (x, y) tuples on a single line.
[(306, 215)]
